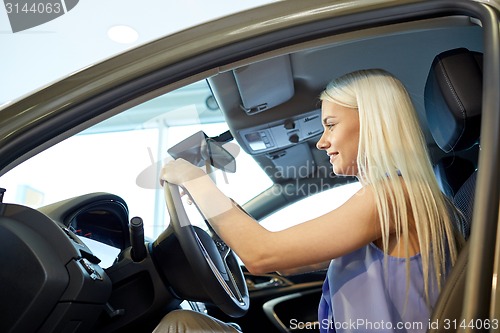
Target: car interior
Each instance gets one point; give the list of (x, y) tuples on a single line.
[(267, 96)]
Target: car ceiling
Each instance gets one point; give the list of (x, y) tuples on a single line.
[(406, 50)]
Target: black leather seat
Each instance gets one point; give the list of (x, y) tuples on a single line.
[(452, 172), (453, 95)]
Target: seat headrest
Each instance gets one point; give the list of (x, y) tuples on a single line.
[(453, 94)]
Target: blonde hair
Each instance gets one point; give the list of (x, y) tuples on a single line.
[(391, 144)]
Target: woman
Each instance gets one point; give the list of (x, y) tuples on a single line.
[(391, 243)]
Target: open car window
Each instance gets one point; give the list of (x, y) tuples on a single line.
[(124, 154), (300, 211)]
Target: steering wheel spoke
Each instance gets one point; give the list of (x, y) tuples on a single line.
[(233, 284)]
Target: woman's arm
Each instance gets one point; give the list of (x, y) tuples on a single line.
[(305, 269), (334, 234)]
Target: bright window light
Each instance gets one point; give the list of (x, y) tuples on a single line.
[(123, 34)]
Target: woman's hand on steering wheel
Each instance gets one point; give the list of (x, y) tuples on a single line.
[(214, 262), (179, 172)]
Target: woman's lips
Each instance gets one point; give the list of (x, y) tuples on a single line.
[(333, 156)]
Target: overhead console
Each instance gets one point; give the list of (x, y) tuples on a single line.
[(267, 88), (281, 134)]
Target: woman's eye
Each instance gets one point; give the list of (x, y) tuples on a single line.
[(330, 126)]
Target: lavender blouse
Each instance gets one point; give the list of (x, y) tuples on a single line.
[(359, 297)]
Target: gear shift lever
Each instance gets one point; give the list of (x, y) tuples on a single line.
[(138, 251)]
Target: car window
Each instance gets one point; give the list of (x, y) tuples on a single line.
[(301, 211), (124, 154)]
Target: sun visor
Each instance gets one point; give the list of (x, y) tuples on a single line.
[(265, 84)]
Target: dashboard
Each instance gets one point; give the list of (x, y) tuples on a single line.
[(54, 278)]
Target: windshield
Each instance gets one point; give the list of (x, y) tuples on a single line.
[(56, 38), (124, 154)]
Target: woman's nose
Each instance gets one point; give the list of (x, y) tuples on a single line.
[(322, 143)]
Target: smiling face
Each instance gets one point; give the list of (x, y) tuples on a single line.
[(340, 138)]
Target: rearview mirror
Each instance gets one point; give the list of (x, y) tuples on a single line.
[(200, 150)]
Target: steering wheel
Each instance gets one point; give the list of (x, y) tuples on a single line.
[(210, 257)]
